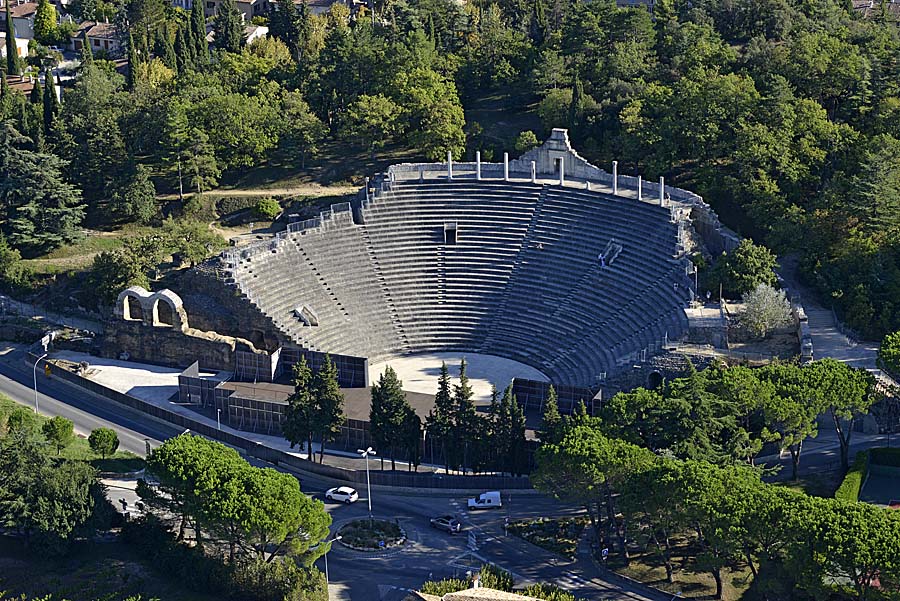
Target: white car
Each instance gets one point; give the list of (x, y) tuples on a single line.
[(342, 494)]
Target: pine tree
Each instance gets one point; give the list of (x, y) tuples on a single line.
[(537, 28), (42, 210), (198, 36), (51, 104), (464, 415), (228, 27), (87, 56), (284, 24), (440, 418), (12, 52), (164, 49), (298, 423), (576, 108), (329, 404), (387, 414), (552, 421), (411, 437)]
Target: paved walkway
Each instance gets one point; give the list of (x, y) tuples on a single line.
[(827, 338)]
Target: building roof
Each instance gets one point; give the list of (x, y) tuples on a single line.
[(472, 594), (19, 10), (101, 30)]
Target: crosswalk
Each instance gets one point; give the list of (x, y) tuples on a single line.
[(570, 581)]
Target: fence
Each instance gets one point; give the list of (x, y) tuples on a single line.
[(281, 458)]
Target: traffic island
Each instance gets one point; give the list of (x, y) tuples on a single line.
[(372, 535)]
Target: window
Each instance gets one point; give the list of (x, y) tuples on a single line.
[(210, 5), (97, 43)]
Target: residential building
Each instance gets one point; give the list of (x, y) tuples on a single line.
[(22, 15), (101, 37)]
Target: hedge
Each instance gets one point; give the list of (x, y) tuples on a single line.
[(853, 481), (885, 456)]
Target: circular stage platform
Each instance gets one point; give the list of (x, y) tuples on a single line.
[(419, 373)]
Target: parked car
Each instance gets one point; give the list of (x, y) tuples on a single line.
[(447, 523), (486, 500), (342, 494)]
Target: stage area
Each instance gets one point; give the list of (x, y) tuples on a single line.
[(419, 373)]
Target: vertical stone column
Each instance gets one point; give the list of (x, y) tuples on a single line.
[(615, 179), (562, 172), (450, 165), (367, 188), (478, 165), (639, 181), (533, 172), (587, 184), (421, 173), (662, 191), (506, 166)]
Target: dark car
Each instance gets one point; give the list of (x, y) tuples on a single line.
[(447, 523)]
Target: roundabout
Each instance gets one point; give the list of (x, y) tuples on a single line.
[(372, 535)]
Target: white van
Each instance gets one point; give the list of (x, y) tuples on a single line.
[(486, 500)]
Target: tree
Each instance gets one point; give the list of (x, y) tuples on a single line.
[(388, 413), (46, 31), (267, 208), (301, 131), (59, 432), (792, 410), (114, 271), (50, 102), (847, 393), (743, 269), (43, 211), (104, 442), (228, 27), (14, 275), (889, 353), (135, 199), (510, 434), (440, 419), (198, 36), (873, 193), (411, 437), (525, 141), (765, 309), (372, 121), (552, 422), (286, 25), (12, 51), (464, 428), (192, 240), (329, 404), (298, 423)]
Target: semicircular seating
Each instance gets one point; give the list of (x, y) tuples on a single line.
[(523, 280)]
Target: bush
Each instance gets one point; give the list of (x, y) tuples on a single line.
[(267, 208), (548, 592), (103, 441), (853, 481), (885, 456), (496, 578), (279, 580), (440, 588)]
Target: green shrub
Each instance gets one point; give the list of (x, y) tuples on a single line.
[(548, 592), (267, 208), (496, 578), (885, 456), (225, 205), (442, 587), (853, 481)]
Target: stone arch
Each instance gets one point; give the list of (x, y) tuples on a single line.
[(654, 380), (167, 310), (131, 304)]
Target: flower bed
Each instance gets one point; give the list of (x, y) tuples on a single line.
[(371, 535)]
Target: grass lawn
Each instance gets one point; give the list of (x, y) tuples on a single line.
[(92, 571), (80, 254), (816, 485), (689, 581), (79, 449), (559, 535)]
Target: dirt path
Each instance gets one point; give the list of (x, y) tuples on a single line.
[(301, 190)]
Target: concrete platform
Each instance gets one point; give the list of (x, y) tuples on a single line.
[(419, 373)]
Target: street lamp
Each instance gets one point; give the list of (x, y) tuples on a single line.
[(219, 418), (366, 454), (35, 381), (338, 537)]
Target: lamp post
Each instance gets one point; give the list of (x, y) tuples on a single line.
[(338, 537), (219, 418), (365, 454), (35, 381)]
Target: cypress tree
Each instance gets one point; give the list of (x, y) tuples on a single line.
[(164, 48), (12, 53), (551, 425), (464, 414), (538, 25), (388, 414), (37, 93), (439, 418), (198, 36), (577, 107), (183, 60), (87, 56), (131, 74), (329, 403), (229, 27), (51, 104)]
